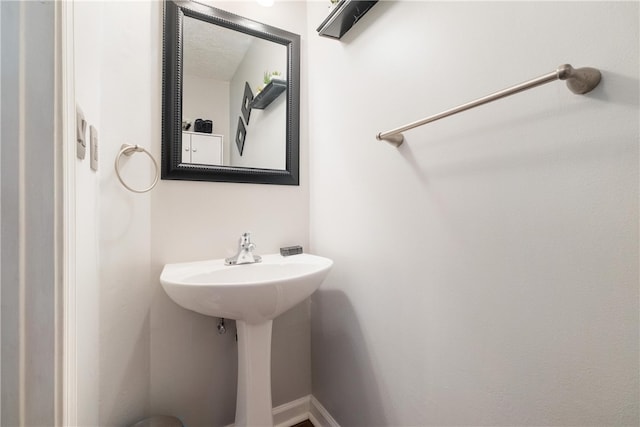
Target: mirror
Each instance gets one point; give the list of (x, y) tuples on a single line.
[(230, 98)]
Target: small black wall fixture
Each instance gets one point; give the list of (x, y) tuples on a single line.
[(344, 16)]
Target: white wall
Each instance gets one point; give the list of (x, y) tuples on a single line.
[(266, 132), (129, 101), (87, 34), (486, 272), (116, 79), (193, 369), (515, 293), (139, 353)]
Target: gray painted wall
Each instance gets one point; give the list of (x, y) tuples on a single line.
[(10, 214), (486, 272), (29, 178)]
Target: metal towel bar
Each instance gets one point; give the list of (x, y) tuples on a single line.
[(579, 81)]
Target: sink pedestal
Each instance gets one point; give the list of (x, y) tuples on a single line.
[(253, 402)]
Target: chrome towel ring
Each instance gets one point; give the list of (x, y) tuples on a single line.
[(128, 150)]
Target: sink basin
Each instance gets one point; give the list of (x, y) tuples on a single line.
[(250, 292), (253, 295)]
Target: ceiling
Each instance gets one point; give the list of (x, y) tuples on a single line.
[(212, 51)]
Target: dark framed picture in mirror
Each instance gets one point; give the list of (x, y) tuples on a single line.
[(247, 98), (213, 64), (241, 134)]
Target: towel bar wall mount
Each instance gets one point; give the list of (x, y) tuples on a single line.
[(579, 81)]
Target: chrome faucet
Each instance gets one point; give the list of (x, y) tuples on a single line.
[(245, 254)]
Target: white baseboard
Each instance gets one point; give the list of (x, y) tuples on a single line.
[(319, 416), (305, 408), (291, 413)]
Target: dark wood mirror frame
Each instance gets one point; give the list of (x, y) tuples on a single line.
[(172, 166)]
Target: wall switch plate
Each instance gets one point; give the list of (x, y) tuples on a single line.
[(81, 131), (93, 147)]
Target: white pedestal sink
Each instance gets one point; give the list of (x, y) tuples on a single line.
[(253, 295)]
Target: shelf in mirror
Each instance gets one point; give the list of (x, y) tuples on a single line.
[(269, 94)]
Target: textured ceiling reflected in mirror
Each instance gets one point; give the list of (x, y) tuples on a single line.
[(213, 51)]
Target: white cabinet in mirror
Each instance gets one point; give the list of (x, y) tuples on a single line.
[(202, 148)]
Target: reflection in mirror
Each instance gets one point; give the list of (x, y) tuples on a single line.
[(218, 64), (230, 97)]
